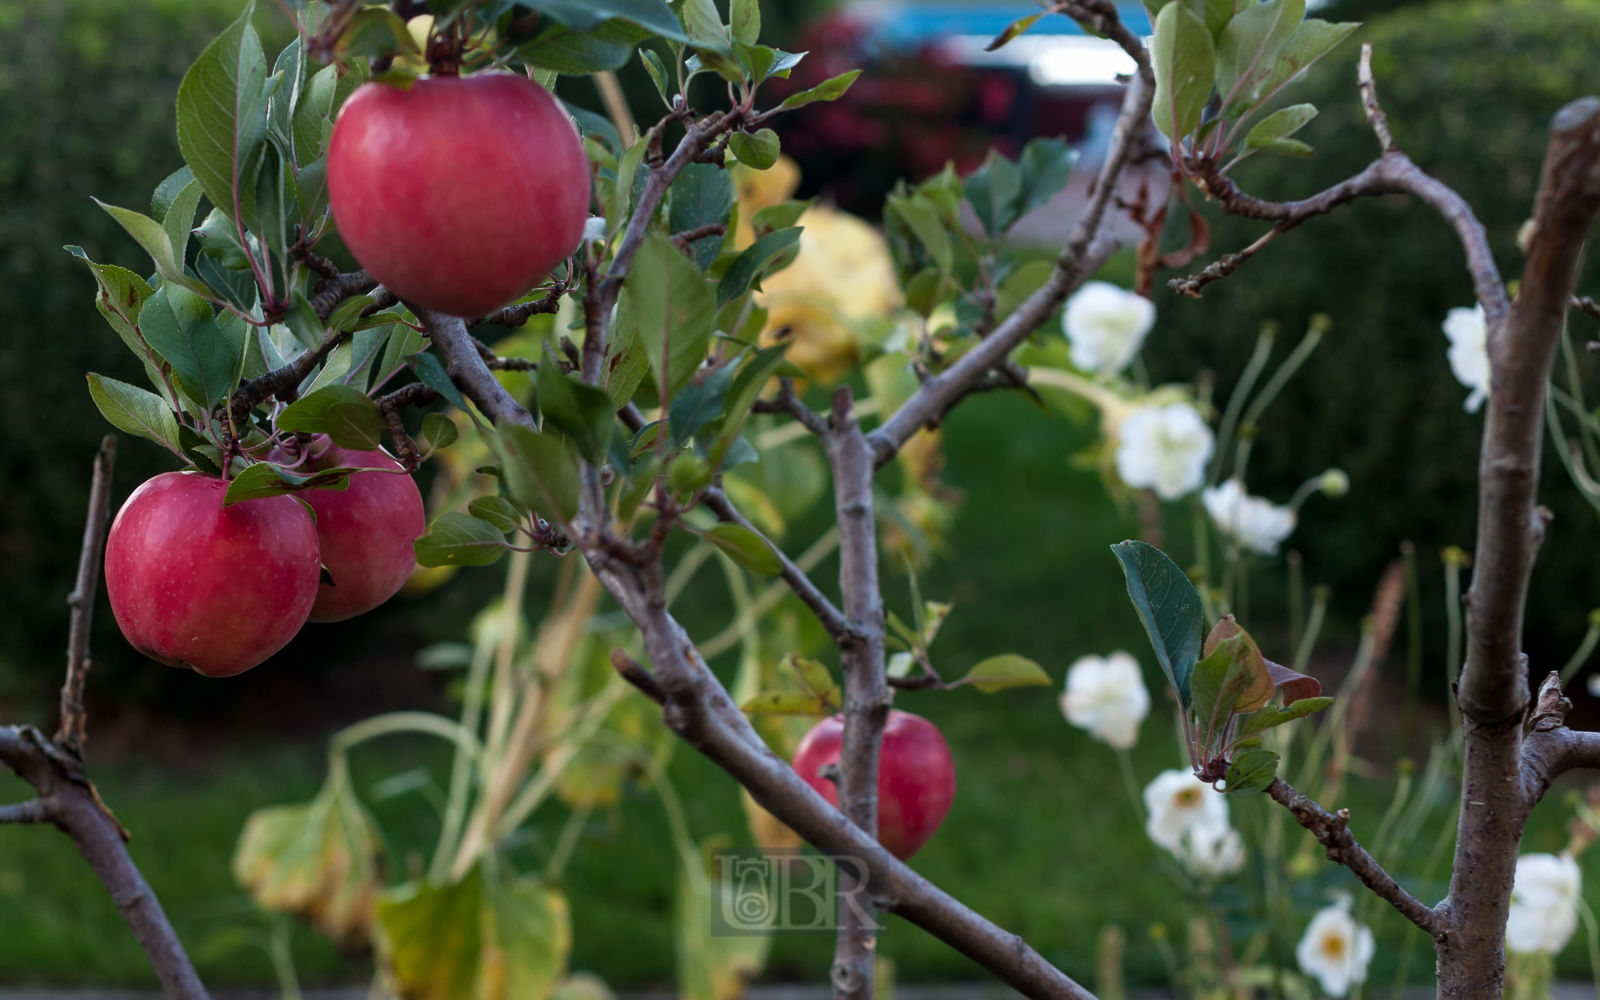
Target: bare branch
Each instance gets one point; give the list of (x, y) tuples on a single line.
[(31, 811), (1332, 831), (1587, 306), (832, 619), (339, 288), (1369, 101), (1392, 173), (283, 382), (634, 673), (1493, 690), (787, 402), (516, 315), (467, 369), (71, 734), (688, 236)]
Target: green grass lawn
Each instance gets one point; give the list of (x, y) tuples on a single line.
[(1042, 838)]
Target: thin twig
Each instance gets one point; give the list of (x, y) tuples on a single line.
[(1332, 831), (31, 811), (1369, 101), (71, 735)]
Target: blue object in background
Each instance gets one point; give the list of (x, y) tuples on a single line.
[(908, 25)]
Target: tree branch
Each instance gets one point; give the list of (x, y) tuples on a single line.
[(1493, 691), (787, 402), (838, 626), (1392, 173), (516, 315), (866, 694), (66, 797), (467, 369), (1332, 831), (71, 733), (335, 290)]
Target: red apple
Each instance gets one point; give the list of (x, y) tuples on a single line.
[(459, 193), (916, 777), (365, 530), (213, 588)]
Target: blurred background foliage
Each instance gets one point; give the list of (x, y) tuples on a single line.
[(85, 110)]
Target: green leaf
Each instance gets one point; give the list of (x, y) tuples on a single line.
[(995, 193), (689, 473), (702, 24), (698, 405), (356, 426), (179, 325), (311, 413), (581, 412), (1280, 124), (150, 235), (1012, 30), (264, 479), (504, 514), (658, 75), (315, 106), (222, 116), (753, 263), (827, 90), (1312, 40), (921, 217), (654, 16), (1217, 683), (780, 216), (430, 372), (435, 936), (1046, 167), (290, 69), (1285, 147), (1248, 51), (528, 934), (1272, 716), (1215, 13), (674, 311), (121, 296), (540, 471), (626, 364), (173, 205), (744, 17), (457, 539), (758, 149), (334, 368), (134, 410), (700, 196), (752, 378), (1251, 771), (403, 343), (744, 547), (574, 53), (1007, 670), (439, 431), (1183, 56), (1169, 608)]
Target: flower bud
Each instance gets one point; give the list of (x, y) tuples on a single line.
[(1335, 483)]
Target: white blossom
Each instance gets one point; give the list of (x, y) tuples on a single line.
[(1106, 326), (1106, 695), (1335, 949), (1213, 851), (1190, 818), (1469, 352), (1544, 903), (1257, 524), (594, 229), (1164, 447)]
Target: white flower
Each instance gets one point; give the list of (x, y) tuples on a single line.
[(1257, 524), (1213, 851), (1190, 818), (1544, 903), (594, 229), (1469, 352), (1106, 325), (1107, 696), (1164, 447), (1335, 949)]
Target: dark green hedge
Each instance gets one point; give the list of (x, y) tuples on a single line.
[(1469, 89)]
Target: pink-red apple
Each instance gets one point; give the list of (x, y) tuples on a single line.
[(213, 588), (459, 193), (365, 530), (916, 777)]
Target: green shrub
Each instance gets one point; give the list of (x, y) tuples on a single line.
[(1469, 89)]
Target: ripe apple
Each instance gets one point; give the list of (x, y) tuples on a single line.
[(916, 777), (213, 588), (460, 193), (365, 530)]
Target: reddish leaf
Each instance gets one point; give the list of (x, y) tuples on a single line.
[(1293, 685)]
